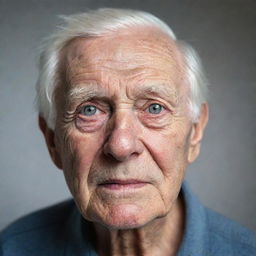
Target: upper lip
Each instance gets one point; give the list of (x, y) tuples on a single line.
[(122, 182)]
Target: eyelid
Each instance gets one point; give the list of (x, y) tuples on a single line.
[(82, 110), (166, 108), (103, 107), (162, 107), (151, 102)]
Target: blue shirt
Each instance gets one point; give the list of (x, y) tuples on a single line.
[(61, 231)]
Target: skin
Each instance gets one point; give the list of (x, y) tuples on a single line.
[(122, 75)]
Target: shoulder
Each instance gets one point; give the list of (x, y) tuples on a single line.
[(35, 230), (226, 236)]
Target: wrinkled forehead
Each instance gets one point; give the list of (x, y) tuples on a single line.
[(125, 54)]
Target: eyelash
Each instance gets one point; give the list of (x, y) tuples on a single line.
[(100, 106), (71, 116), (145, 107), (87, 123)]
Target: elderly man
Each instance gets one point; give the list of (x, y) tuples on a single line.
[(122, 107)]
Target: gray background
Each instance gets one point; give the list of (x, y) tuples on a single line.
[(224, 34)]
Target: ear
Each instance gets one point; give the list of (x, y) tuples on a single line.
[(49, 136), (197, 133)]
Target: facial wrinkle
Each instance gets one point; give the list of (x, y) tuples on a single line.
[(122, 75)]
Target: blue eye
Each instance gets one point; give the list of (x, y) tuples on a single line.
[(88, 110), (155, 108)]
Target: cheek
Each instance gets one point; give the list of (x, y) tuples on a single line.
[(80, 153), (168, 149)]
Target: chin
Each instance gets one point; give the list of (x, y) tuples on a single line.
[(126, 217)]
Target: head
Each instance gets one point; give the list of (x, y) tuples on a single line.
[(122, 108)]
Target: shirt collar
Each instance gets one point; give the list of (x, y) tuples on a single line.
[(79, 234), (195, 238)]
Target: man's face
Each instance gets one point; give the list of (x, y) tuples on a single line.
[(123, 129)]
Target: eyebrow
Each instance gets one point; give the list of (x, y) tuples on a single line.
[(160, 90), (85, 92), (89, 91)]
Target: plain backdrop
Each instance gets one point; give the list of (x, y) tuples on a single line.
[(224, 34)]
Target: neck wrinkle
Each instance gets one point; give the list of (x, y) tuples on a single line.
[(161, 236)]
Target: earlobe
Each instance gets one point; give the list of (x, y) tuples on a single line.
[(197, 133), (50, 142)]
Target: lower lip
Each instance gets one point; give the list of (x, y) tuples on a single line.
[(117, 186)]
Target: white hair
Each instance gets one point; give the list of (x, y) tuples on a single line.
[(99, 23)]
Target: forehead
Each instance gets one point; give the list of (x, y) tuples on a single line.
[(129, 56)]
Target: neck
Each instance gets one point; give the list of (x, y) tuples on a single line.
[(161, 236)]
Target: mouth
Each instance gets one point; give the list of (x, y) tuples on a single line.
[(116, 184)]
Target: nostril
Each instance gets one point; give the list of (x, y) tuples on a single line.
[(111, 157), (115, 156), (120, 154)]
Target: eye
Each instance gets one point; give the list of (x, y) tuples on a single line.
[(88, 110), (155, 108)]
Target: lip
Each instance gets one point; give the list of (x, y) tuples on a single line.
[(116, 184)]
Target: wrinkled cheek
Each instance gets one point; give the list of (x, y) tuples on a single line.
[(178, 146), (78, 158), (76, 178), (168, 153)]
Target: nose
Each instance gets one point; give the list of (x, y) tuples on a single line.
[(123, 141)]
